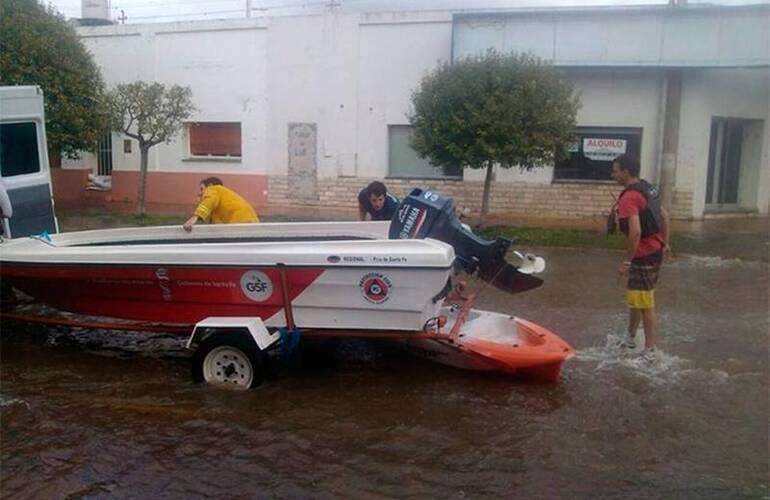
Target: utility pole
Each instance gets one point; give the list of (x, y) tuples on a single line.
[(248, 9)]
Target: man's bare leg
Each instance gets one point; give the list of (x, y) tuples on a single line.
[(650, 327), (634, 318)]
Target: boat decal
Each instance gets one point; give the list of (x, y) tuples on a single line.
[(164, 282), (389, 259), (121, 282), (375, 287), (256, 285), (430, 196), (412, 219)]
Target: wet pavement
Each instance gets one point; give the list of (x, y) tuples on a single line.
[(103, 414)]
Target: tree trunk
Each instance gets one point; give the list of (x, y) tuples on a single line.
[(485, 198), (54, 159), (142, 179)]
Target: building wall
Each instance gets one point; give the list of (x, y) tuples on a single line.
[(350, 76), (610, 97), (393, 58), (225, 68), (653, 37), (177, 188), (728, 93), (223, 62), (624, 36), (508, 200)]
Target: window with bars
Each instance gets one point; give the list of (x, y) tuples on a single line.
[(104, 155), (214, 139)]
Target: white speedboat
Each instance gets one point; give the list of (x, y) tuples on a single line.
[(381, 278)]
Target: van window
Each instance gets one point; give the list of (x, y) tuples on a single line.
[(18, 149)]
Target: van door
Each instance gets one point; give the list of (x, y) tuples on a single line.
[(25, 173)]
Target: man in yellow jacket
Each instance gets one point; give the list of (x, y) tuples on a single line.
[(220, 205)]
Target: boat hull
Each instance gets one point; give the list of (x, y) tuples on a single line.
[(490, 341), (335, 275), (320, 297)]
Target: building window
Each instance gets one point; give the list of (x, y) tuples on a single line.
[(403, 161), (215, 139), (104, 155), (590, 156), (18, 149)]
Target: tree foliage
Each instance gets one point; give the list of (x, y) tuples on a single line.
[(512, 110), (493, 109), (39, 47), (152, 114)]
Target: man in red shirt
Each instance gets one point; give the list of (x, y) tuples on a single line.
[(645, 223)]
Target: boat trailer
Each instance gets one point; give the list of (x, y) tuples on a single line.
[(234, 351)]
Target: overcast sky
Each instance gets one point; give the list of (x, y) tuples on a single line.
[(143, 11)]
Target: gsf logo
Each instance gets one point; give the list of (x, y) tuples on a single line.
[(256, 285)]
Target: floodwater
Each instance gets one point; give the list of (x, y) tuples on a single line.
[(98, 414)]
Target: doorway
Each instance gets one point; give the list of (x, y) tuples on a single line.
[(735, 149), (724, 165)]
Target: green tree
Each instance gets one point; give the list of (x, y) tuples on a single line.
[(38, 47), (152, 114), (493, 109)]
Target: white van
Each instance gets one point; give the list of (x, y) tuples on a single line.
[(24, 161)]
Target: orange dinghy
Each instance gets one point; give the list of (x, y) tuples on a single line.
[(490, 341)]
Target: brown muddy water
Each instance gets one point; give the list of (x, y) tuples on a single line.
[(102, 414)]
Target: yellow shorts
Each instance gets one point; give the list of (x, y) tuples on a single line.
[(640, 299)]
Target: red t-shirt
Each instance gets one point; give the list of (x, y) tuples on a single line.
[(630, 204)]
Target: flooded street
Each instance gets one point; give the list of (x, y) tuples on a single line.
[(96, 414)]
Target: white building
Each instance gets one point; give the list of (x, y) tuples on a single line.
[(308, 109)]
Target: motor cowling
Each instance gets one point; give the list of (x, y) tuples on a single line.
[(428, 214)]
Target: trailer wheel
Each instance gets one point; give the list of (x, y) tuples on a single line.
[(228, 359)]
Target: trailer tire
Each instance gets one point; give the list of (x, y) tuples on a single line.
[(229, 360)]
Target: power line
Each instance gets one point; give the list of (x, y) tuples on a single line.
[(160, 3), (189, 14)]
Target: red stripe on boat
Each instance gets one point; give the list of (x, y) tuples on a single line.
[(184, 294)]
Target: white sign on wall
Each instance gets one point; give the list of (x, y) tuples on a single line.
[(603, 149)]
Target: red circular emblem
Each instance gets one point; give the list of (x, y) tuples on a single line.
[(375, 287)]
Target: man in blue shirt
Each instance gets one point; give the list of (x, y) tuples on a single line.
[(375, 200)]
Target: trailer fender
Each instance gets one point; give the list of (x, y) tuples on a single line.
[(251, 327)]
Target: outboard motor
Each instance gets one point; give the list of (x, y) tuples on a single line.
[(427, 214)]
